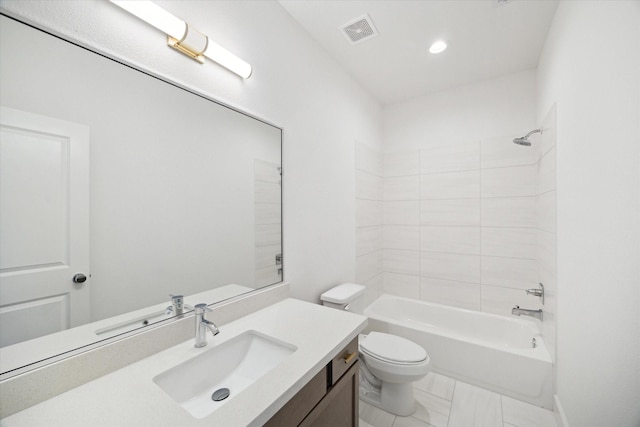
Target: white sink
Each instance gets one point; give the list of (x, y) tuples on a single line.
[(131, 324), (234, 365)]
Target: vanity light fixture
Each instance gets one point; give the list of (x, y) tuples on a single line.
[(184, 38), (438, 46)]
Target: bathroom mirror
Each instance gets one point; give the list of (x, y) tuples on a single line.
[(166, 191)]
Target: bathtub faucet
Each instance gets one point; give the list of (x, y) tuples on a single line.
[(525, 312)]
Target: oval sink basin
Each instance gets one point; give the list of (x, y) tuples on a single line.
[(232, 365)]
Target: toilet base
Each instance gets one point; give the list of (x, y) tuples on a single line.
[(395, 398)]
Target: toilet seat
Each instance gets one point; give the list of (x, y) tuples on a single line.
[(392, 349)]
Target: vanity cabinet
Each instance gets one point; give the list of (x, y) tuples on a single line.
[(329, 399)]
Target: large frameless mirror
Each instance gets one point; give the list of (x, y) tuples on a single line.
[(117, 190)]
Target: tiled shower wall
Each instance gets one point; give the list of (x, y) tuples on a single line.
[(546, 227), (470, 225), (368, 177)]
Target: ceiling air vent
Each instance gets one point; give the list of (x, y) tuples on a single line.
[(359, 30)]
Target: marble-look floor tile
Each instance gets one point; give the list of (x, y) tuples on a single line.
[(437, 384), (410, 422), (523, 414), (375, 417), (475, 407), (431, 409)]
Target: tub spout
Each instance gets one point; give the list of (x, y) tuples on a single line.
[(517, 311)]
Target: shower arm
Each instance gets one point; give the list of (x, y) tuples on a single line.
[(532, 132)]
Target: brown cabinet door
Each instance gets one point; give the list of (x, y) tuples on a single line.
[(339, 408)]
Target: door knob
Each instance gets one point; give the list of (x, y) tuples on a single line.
[(79, 278)]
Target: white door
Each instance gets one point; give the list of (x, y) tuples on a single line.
[(44, 225)]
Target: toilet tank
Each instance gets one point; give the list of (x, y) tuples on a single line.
[(348, 296)]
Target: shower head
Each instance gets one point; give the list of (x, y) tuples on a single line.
[(524, 140)]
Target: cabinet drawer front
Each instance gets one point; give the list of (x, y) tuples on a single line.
[(344, 360)]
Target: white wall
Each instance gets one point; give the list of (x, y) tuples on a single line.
[(294, 85), (590, 67), (490, 108)]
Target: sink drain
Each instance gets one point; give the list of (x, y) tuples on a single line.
[(220, 394)]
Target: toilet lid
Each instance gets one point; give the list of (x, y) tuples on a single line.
[(392, 348)]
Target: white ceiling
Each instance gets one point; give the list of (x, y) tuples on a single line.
[(486, 40)]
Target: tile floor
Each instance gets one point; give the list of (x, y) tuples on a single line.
[(445, 402)]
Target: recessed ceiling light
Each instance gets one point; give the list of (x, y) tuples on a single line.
[(438, 46)]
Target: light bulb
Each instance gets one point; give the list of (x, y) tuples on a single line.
[(438, 47)]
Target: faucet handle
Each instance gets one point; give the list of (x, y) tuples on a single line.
[(201, 308), (177, 300)]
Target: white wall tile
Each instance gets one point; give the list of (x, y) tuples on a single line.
[(547, 172), (403, 285), (548, 137), (461, 240), (509, 212), (368, 239), (368, 266), (401, 213), (268, 234), (450, 185), (267, 275), (461, 268), (368, 159), (400, 164), (373, 289), (268, 213), (548, 276), (401, 237), (267, 192), (449, 292), (401, 261), (547, 262), (510, 182), (510, 242), (546, 209), (401, 188), (499, 300), (501, 152), (266, 171), (368, 213), (368, 186), (266, 255), (509, 272), (461, 212), (450, 158)]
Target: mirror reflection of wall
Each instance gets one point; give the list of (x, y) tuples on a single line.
[(174, 184)]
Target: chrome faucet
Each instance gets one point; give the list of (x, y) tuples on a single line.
[(517, 311), (202, 325), (177, 306)]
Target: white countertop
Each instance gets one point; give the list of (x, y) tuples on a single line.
[(129, 397)]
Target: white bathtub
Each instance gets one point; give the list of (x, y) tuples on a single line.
[(493, 352)]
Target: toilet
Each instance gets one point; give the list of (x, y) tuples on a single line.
[(390, 363)]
